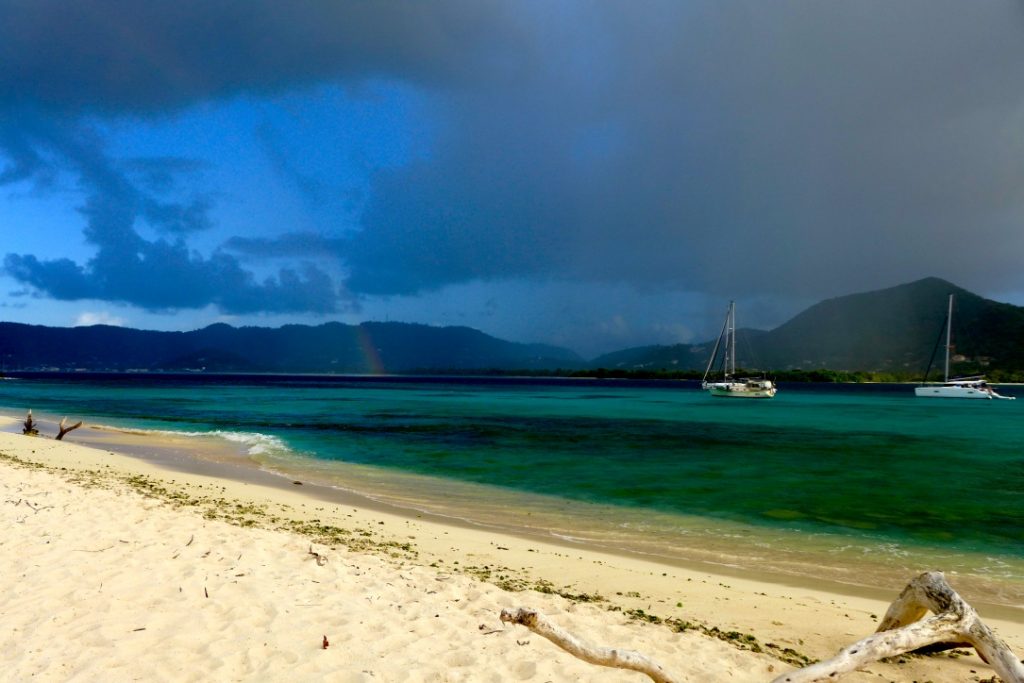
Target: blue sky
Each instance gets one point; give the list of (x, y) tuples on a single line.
[(594, 175)]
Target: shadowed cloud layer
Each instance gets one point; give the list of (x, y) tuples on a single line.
[(787, 149), (117, 56)]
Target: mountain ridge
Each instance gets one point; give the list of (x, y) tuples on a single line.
[(333, 347), (890, 330)]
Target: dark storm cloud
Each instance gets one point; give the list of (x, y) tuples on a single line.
[(121, 56), (62, 62), (166, 276), (741, 147), (160, 274), (734, 147), (41, 148)]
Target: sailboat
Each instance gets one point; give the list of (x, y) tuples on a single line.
[(729, 386), (959, 387)]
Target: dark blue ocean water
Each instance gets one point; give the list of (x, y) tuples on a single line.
[(833, 471)]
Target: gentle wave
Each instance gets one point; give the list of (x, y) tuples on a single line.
[(257, 443)]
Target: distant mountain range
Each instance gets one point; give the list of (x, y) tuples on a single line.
[(892, 330), (329, 348)]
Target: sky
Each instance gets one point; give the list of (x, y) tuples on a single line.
[(596, 175)]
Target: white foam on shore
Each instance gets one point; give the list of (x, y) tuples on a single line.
[(256, 443)]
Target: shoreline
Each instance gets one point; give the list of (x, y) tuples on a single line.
[(799, 562), (212, 456), (812, 620)]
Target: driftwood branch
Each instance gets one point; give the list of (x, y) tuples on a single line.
[(902, 630), (602, 656), (64, 430), (29, 426), (953, 623)]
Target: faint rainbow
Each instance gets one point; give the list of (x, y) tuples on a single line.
[(369, 351)]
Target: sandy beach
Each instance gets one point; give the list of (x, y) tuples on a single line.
[(121, 568)]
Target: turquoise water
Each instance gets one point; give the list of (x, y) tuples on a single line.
[(819, 475)]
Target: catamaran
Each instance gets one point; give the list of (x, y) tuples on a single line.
[(958, 387), (729, 386)]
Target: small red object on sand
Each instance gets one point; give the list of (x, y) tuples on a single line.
[(325, 642)]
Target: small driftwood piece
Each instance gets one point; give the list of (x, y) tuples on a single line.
[(64, 430), (902, 630), (29, 427), (954, 623), (602, 656), (321, 558)]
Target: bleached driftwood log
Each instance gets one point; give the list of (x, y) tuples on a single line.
[(902, 630), (64, 430), (602, 656), (954, 622)]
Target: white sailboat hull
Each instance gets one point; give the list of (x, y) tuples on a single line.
[(756, 389), (730, 386)]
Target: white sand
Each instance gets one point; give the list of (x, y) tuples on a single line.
[(104, 583)]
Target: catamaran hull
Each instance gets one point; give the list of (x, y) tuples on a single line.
[(984, 394), (951, 392), (960, 387)]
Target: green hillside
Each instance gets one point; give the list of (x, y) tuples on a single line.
[(891, 330)]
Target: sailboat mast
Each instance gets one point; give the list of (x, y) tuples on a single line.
[(731, 370), (949, 331)]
